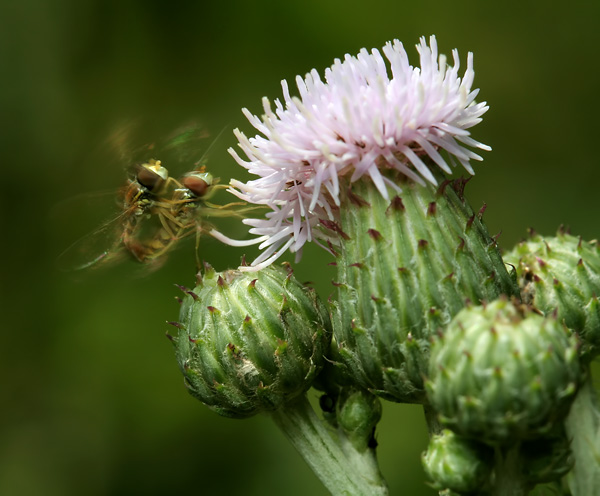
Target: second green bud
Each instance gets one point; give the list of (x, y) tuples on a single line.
[(250, 341)]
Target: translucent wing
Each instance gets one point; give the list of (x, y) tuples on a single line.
[(181, 150), (152, 220), (185, 147), (95, 248)]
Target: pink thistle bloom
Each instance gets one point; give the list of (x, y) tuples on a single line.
[(360, 119)]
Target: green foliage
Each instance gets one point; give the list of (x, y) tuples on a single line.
[(583, 428)]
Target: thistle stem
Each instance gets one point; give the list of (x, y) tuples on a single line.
[(509, 479), (583, 428), (363, 462), (340, 474), (433, 424)]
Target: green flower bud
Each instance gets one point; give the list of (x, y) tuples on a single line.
[(406, 267), (250, 341), (562, 274), (502, 372), (358, 413), (457, 464)]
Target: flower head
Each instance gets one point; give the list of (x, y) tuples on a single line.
[(561, 274), (502, 372), (362, 118), (248, 343)]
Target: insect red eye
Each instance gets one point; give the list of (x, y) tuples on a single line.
[(197, 183)]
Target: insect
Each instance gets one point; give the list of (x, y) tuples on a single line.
[(156, 211), (162, 210)]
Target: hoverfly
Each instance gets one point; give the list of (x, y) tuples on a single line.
[(161, 210), (156, 212)]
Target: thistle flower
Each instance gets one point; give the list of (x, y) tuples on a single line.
[(361, 120)]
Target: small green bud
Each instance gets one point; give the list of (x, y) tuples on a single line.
[(502, 372), (358, 413), (406, 267), (250, 341), (562, 274), (457, 464)]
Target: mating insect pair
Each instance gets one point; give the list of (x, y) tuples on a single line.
[(160, 210), (157, 211)]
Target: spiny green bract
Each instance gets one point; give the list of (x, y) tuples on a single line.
[(406, 267), (458, 464), (250, 341), (501, 373), (562, 274)]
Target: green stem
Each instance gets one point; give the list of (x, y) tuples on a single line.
[(583, 428), (433, 424), (339, 474), (363, 462), (508, 477)]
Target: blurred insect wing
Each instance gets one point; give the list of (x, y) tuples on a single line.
[(94, 249)]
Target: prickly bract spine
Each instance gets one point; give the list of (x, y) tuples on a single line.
[(562, 274), (250, 342), (406, 267)]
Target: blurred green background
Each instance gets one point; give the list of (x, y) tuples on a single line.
[(92, 401)]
